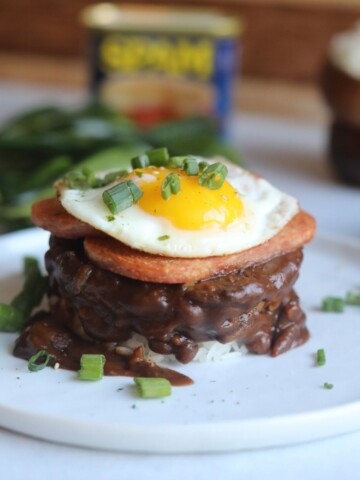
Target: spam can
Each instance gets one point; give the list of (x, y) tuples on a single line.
[(156, 64)]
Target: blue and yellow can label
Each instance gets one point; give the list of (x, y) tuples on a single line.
[(154, 77)]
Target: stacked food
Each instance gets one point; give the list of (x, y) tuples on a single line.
[(177, 256)]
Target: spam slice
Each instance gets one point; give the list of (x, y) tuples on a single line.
[(121, 259)]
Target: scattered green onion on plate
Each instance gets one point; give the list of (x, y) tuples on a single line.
[(320, 357), (333, 304), (91, 366), (38, 361), (152, 387), (352, 298)]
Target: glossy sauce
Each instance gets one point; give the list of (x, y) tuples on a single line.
[(66, 349)]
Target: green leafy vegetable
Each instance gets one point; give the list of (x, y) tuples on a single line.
[(41, 145), (14, 316)]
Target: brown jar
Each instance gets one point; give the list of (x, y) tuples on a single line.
[(341, 88)]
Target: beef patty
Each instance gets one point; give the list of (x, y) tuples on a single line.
[(256, 305)]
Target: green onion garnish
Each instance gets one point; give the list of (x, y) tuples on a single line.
[(136, 192), (34, 365), (164, 237), (76, 180), (121, 196), (203, 165), (153, 387), (141, 161), (91, 366), (176, 162), (191, 166), (320, 357), (159, 157), (170, 185), (333, 304), (92, 180), (14, 316), (328, 386), (112, 176), (352, 298), (86, 178), (213, 176)]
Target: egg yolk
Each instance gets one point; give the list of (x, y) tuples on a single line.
[(195, 207)]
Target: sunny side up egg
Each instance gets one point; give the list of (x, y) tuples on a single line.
[(197, 221)]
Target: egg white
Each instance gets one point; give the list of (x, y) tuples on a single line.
[(266, 211)]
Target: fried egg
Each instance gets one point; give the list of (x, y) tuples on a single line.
[(196, 222)]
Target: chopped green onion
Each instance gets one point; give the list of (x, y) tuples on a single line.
[(110, 218), (213, 176), (33, 363), (91, 366), (112, 176), (203, 165), (11, 319), (176, 162), (153, 387), (91, 179), (76, 180), (170, 185), (320, 357), (121, 196), (333, 304), (164, 237), (141, 161), (328, 386), (191, 166), (352, 298), (81, 180), (158, 157), (86, 178), (136, 192)]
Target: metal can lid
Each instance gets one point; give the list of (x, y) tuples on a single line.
[(150, 19)]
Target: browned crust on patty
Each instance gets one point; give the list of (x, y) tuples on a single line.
[(113, 255), (50, 215)]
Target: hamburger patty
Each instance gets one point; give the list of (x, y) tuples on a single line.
[(256, 305)]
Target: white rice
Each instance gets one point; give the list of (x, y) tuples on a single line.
[(211, 351)]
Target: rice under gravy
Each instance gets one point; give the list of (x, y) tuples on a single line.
[(211, 351)]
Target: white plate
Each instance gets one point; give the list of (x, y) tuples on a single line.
[(252, 402)]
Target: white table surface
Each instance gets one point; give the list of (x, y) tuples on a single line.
[(292, 156)]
